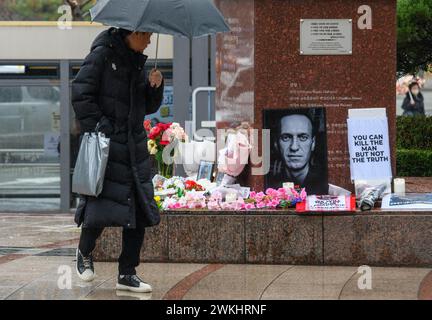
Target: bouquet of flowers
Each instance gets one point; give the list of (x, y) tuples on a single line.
[(235, 156), (159, 137), (279, 198)]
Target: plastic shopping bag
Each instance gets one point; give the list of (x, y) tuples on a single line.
[(91, 163)]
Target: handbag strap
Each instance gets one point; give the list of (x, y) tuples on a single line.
[(97, 134), (97, 127)]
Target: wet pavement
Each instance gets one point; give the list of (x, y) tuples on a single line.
[(37, 262)]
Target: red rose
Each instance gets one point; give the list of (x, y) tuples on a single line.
[(154, 132), (189, 184), (147, 125), (164, 143), (164, 126), (192, 185)]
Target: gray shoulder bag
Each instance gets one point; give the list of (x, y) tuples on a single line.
[(89, 172)]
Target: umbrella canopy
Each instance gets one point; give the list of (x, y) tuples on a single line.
[(403, 83), (184, 18)]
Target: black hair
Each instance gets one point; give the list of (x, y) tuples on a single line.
[(124, 32), (294, 112), (412, 84)]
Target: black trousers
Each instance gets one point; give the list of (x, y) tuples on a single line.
[(132, 241)]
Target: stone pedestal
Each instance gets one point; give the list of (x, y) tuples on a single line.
[(283, 237)]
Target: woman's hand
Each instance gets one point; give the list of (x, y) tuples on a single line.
[(155, 78)]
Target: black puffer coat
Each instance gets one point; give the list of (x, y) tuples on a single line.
[(415, 109), (112, 87)]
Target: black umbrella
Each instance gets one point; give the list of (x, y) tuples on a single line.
[(184, 18)]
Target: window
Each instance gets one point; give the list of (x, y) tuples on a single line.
[(10, 94), (44, 93)]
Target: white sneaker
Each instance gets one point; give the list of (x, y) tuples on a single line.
[(132, 283), (134, 295), (84, 267)]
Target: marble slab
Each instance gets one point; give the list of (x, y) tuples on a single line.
[(284, 239), (380, 240), (208, 238)]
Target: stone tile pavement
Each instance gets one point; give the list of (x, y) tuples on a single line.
[(37, 262)]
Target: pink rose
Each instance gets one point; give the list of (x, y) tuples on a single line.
[(271, 192), (303, 194), (273, 203), (213, 205), (282, 194), (260, 205), (175, 205), (249, 206), (259, 196)]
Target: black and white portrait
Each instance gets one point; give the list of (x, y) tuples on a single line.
[(298, 149)]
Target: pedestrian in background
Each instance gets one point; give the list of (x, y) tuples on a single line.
[(413, 104)]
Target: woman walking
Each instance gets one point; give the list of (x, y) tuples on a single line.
[(112, 90)]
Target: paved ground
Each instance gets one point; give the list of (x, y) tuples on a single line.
[(37, 257)]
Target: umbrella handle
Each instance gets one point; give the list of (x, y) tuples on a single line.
[(157, 49), (411, 97)]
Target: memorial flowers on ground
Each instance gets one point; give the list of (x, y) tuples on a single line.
[(199, 199)]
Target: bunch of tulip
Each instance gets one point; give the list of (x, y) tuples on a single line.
[(159, 202)]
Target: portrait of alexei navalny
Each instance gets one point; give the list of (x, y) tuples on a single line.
[(298, 149)]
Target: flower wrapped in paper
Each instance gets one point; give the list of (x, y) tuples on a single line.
[(235, 156)]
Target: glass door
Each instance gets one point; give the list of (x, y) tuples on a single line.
[(29, 147)]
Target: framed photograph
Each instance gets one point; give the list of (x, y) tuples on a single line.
[(219, 177), (298, 148), (205, 170)]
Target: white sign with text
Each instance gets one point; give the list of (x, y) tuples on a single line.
[(369, 148), (335, 203)]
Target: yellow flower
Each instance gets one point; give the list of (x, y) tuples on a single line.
[(157, 198), (154, 150), (151, 144)]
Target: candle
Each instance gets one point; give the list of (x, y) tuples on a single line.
[(399, 186), (231, 197), (288, 186)]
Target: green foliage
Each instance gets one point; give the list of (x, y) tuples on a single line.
[(29, 10), (414, 35), (414, 132), (37, 10), (414, 146), (414, 163)]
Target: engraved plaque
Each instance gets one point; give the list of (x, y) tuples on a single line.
[(325, 36)]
